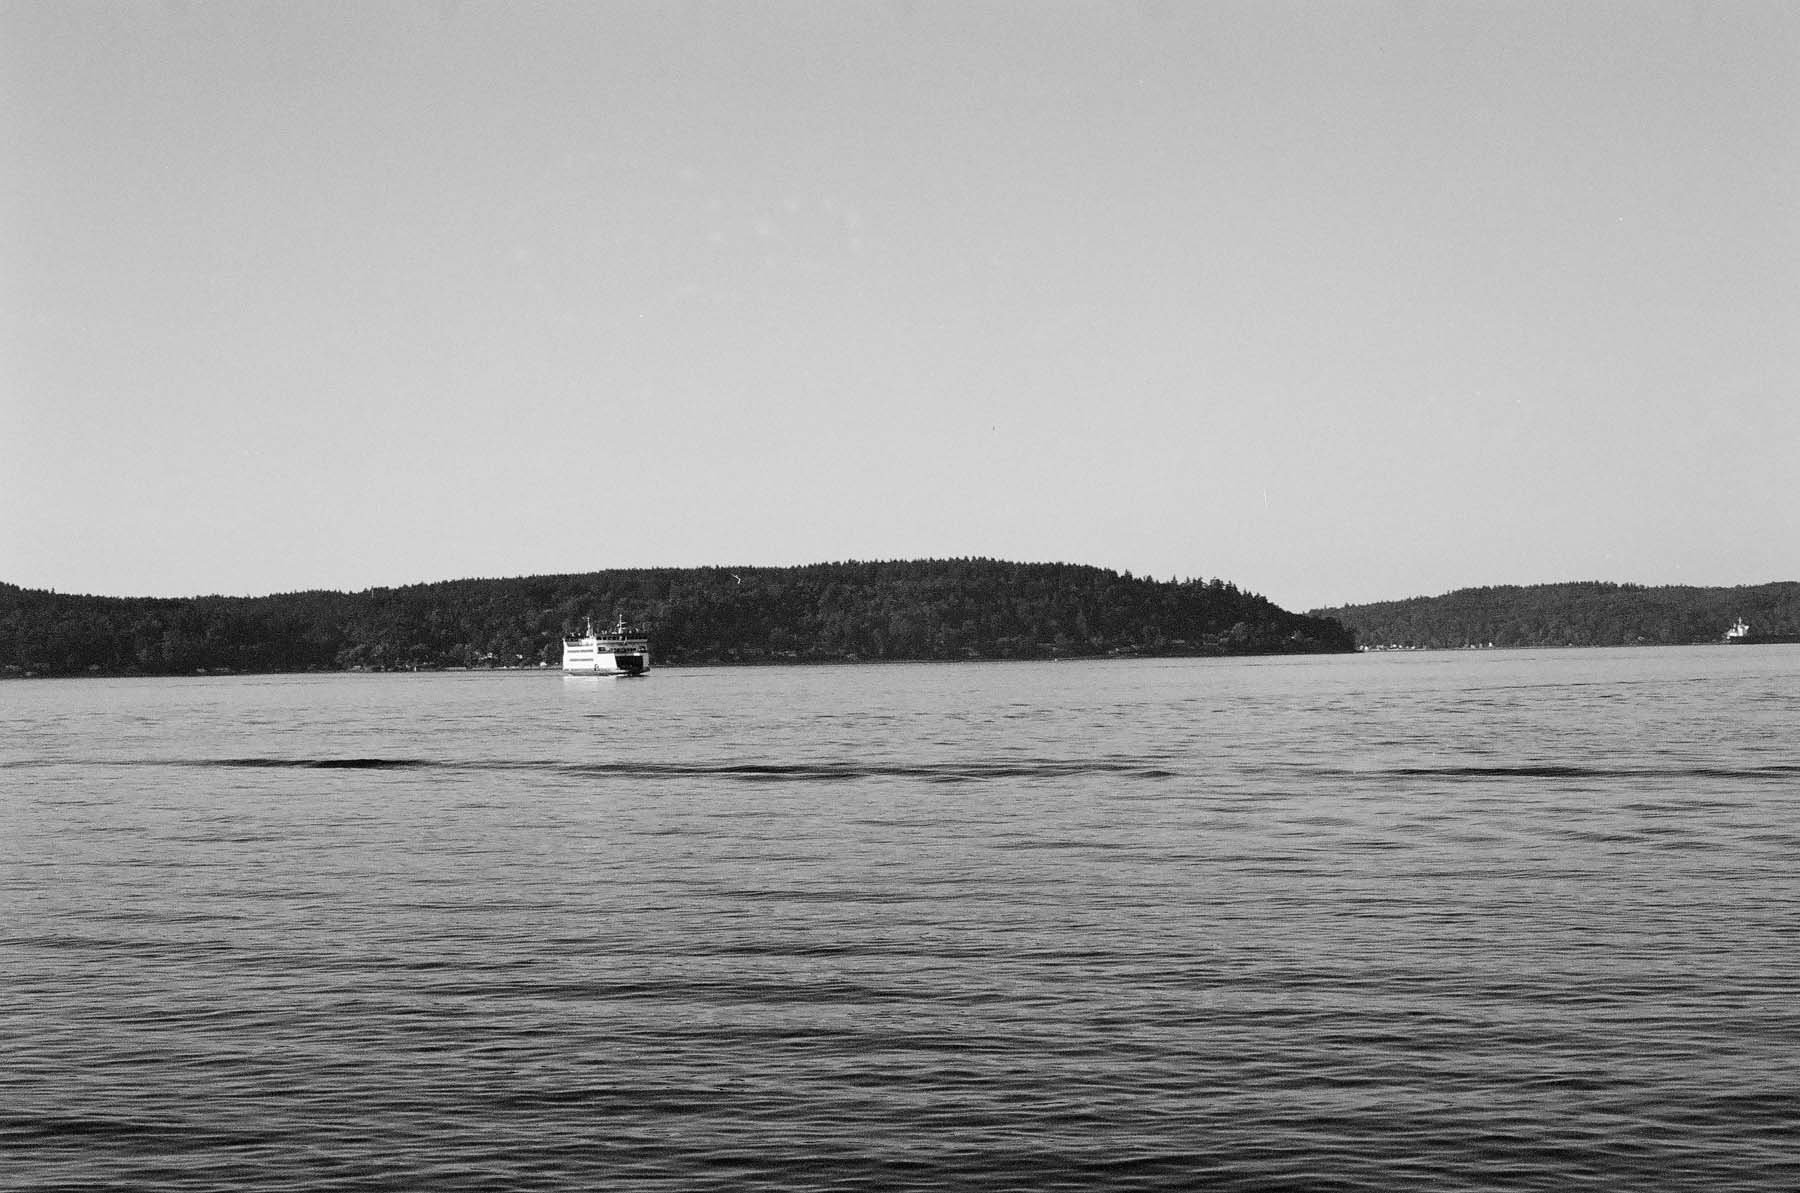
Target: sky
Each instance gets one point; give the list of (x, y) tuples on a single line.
[(1340, 301)]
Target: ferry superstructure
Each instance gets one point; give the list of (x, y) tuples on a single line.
[(618, 652)]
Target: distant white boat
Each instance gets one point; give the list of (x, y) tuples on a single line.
[(1740, 634), (616, 653)]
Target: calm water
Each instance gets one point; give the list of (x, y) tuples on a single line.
[(1483, 920)]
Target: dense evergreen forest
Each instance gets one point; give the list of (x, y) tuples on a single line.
[(926, 609), (1587, 614)]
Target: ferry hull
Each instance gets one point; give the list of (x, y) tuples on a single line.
[(617, 653), (629, 664)]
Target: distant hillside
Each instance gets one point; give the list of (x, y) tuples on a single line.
[(926, 609), (1586, 614)]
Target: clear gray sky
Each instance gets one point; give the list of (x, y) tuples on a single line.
[(1339, 300)]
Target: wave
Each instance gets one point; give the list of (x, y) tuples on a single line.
[(939, 772), (315, 763), (1536, 770)]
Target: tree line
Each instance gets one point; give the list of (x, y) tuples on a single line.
[(829, 612), (1580, 614)]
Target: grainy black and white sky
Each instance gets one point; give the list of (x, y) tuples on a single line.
[(1339, 301)]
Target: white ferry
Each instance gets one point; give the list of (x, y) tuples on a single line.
[(1740, 634), (615, 653)]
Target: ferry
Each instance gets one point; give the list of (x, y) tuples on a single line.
[(1740, 634), (616, 653)]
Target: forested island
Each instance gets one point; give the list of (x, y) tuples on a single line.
[(1584, 614), (830, 612)]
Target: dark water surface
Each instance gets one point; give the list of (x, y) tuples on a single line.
[(1483, 920)]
